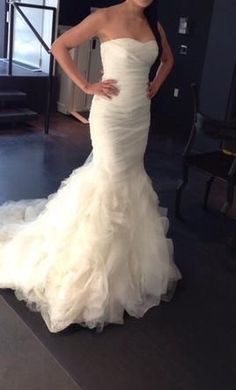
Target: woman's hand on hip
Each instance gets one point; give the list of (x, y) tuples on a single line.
[(151, 90), (106, 88)]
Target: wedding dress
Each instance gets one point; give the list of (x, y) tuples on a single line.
[(97, 247)]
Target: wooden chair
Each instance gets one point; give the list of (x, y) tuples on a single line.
[(217, 164)]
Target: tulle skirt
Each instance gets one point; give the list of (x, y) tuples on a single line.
[(97, 247)]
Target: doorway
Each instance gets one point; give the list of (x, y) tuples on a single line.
[(27, 51)]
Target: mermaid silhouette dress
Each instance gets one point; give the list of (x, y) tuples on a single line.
[(97, 247)]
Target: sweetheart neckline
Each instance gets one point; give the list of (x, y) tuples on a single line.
[(133, 39)]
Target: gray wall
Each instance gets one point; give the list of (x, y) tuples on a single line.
[(220, 60), (187, 69)]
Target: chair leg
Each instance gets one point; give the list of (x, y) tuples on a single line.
[(230, 197), (179, 190), (230, 188), (207, 192)]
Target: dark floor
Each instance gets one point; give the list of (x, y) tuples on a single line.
[(20, 349), (188, 344)]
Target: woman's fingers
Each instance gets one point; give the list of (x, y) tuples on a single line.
[(150, 90), (110, 83), (109, 88)]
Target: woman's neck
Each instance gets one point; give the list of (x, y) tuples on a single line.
[(133, 10)]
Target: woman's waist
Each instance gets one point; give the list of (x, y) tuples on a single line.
[(121, 108), (126, 100), (127, 81), (130, 89)]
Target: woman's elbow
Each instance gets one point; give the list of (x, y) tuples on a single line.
[(57, 48), (53, 48)]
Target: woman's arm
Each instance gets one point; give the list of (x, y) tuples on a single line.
[(87, 29), (167, 62)]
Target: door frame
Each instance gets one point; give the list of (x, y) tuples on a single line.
[(3, 29)]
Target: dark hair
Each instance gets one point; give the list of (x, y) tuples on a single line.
[(151, 13)]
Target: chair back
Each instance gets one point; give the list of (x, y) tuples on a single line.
[(195, 98), (214, 128)]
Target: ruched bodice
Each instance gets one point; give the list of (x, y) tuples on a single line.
[(128, 61), (119, 127)]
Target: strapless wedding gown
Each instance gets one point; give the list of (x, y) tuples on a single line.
[(97, 247)]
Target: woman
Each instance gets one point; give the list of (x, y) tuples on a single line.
[(124, 20), (97, 247)]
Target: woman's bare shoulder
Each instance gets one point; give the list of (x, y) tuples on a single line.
[(107, 12)]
